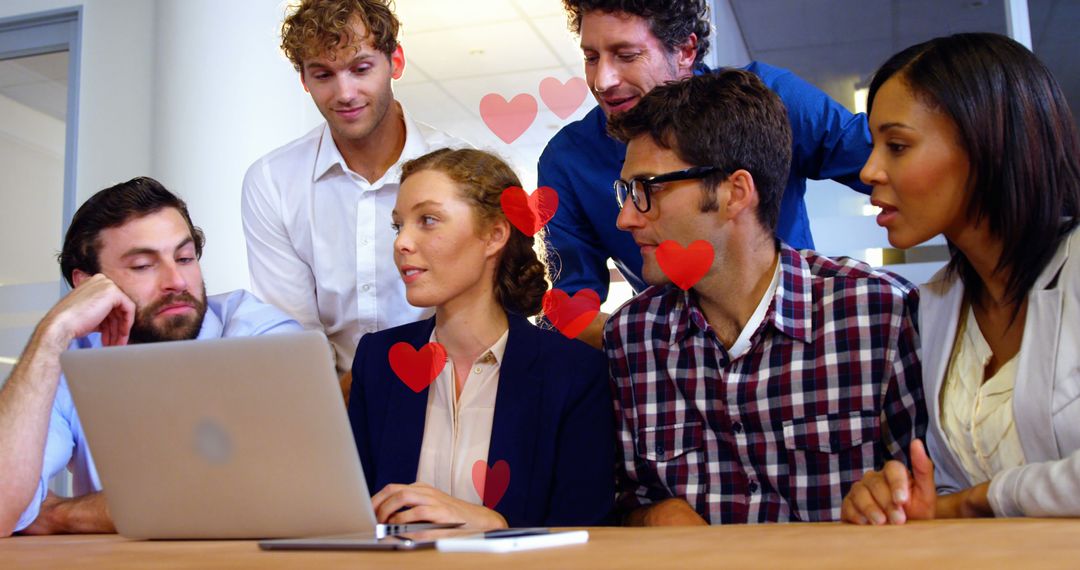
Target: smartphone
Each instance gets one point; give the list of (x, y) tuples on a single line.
[(365, 541), (511, 540)]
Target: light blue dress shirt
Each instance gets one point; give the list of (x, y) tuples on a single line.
[(238, 313)]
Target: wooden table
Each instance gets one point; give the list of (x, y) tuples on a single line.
[(1035, 543)]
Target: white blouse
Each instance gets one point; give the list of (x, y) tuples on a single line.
[(457, 431), (977, 416)]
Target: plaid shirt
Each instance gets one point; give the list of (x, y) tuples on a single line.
[(830, 388)]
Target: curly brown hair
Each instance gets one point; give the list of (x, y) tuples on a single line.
[(521, 279), (316, 27), (671, 21)]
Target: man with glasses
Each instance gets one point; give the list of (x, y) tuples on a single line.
[(768, 387), (630, 47)]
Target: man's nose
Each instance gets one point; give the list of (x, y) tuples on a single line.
[(629, 217), (172, 279), (607, 75)]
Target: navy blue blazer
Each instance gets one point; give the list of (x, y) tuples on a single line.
[(554, 423)]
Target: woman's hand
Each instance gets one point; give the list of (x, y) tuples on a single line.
[(425, 503), (894, 494)]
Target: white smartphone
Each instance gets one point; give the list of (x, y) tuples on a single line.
[(511, 540)]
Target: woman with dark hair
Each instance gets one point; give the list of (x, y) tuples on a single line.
[(973, 139), (514, 403)]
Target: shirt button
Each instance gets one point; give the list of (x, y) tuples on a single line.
[(736, 427), (752, 487), (659, 449), (366, 287), (476, 370)]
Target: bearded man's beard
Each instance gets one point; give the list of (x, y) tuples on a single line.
[(175, 327)]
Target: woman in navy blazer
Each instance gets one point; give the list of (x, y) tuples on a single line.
[(553, 422)]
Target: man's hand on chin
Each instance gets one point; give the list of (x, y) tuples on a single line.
[(87, 514)]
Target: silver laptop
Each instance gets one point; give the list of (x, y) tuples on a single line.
[(229, 438)]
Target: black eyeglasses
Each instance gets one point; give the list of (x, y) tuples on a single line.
[(641, 188)]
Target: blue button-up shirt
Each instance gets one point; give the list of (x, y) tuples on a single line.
[(238, 313), (581, 162)]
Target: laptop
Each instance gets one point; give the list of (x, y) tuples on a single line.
[(235, 438)]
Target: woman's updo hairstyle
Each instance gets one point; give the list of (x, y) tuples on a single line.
[(521, 277)]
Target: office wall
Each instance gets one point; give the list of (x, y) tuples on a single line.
[(115, 93), (32, 160)]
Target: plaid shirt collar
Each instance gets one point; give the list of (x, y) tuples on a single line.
[(791, 311)]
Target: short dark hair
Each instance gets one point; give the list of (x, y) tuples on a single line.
[(728, 119), (671, 21), (113, 207), (1021, 141)]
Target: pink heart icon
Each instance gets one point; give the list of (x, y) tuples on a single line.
[(491, 482), (508, 119), (529, 212), (563, 98)]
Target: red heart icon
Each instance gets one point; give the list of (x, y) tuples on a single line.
[(563, 98), (571, 314), (685, 266), (491, 483), (417, 368), (508, 119), (529, 212)]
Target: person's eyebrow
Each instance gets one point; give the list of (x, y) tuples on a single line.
[(614, 47), (426, 203), (151, 251), (184, 243), (894, 125)]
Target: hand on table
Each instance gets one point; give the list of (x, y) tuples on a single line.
[(894, 494), (424, 503), (81, 515), (669, 512)]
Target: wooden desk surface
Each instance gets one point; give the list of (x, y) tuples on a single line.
[(1041, 543)]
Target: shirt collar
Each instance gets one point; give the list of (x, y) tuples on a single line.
[(329, 156), (494, 353), (793, 308), (212, 327), (791, 311)]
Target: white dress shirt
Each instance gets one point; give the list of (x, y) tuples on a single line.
[(319, 241), (457, 430)]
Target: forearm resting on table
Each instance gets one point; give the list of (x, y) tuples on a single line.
[(669, 512), (82, 515), (969, 503)]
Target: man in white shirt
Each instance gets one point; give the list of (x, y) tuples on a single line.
[(316, 211)]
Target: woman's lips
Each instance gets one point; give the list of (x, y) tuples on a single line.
[(410, 274), (887, 215)]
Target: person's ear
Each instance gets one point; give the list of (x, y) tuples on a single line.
[(397, 62), (742, 196), (685, 55), (78, 276), (497, 236)]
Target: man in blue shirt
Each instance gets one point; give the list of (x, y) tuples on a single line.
[(132, 256), (630, 47)]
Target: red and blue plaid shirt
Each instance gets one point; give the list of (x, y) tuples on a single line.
[(830, 388)]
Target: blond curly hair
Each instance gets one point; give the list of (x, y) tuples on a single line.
[(316, 27)]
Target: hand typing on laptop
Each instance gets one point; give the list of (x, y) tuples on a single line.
[(420, 502)]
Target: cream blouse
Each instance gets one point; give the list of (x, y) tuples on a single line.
[(457, 431), (977, 416)]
